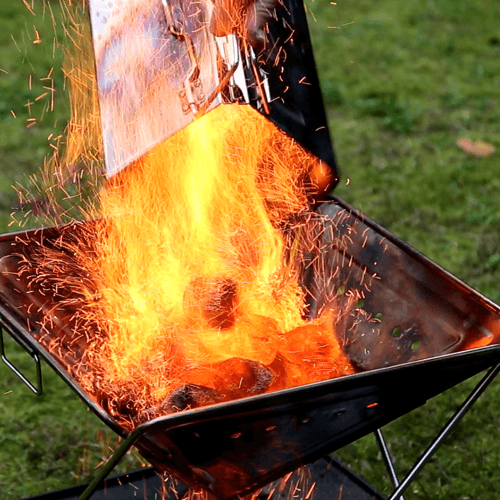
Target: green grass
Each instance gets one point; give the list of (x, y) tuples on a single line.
[(402, 81)]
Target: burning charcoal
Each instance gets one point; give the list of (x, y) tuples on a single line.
[(217, 299), (238, 378), (187, 397), (278, 367), (120, 405), (125, 406)]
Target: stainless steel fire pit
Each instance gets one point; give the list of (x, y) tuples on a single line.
[(414, 322), (425, 324)]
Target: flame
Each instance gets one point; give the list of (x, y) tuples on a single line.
[(186, 283), (196, 265)]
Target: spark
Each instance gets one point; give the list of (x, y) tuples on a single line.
[(49, 75), (27, 5), (52, 91), (37, 40), (341, 492), (15, 43)]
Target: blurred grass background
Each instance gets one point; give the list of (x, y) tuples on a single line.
[(403, 80)]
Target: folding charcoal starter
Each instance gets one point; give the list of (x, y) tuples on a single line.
[(420, 322)]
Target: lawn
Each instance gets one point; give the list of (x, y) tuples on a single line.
[(403, 80)]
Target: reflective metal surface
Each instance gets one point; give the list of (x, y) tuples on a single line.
[(159, 66)]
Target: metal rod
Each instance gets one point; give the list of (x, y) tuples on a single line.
[(466, 405), (387, 459), (112, 462), (37, 390)]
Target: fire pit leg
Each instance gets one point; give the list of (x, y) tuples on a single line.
[(37, 389), (438, 440), (387, 459), (105, 470)]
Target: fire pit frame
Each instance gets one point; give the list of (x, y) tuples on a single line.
[(365, 396), (400, 486)]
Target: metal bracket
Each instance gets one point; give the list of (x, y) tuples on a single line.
[(37, 389), (191, 96)]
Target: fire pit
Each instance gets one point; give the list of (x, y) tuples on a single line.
[(425, 323), (392, 317)]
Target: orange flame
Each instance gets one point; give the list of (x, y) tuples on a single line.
[(197, 265), (189, 274)]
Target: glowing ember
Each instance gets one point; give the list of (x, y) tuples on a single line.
[(196, 263)]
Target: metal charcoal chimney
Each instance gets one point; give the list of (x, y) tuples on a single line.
[(205, 58)]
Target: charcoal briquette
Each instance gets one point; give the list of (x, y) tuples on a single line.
[(239, 377), (189, 396)]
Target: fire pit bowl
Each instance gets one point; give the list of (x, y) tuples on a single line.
[(416, 322)]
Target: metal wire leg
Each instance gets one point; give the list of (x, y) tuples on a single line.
[(466, 405), (387, 459)]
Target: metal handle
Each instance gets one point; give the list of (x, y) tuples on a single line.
[(37, 390)]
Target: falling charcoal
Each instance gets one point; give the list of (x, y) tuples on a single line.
[(187, 397), (123, 407), (119, 405), (217, 299), (238, 378), (222, 304)]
